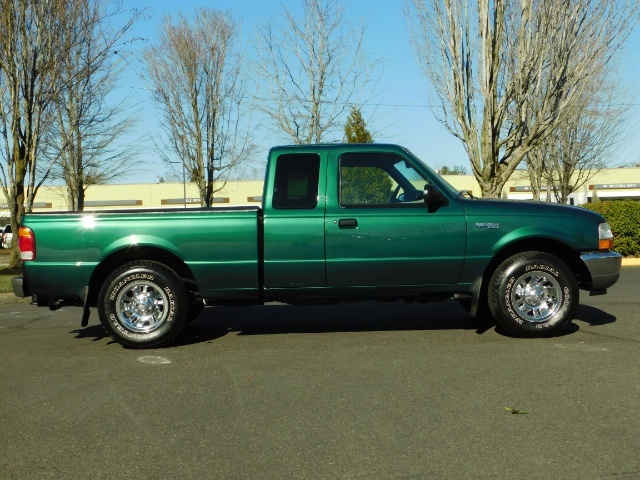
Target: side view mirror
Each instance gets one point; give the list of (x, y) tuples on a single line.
[(434, 198)]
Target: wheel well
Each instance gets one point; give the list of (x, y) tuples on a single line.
[(558, 249), (131, 254)]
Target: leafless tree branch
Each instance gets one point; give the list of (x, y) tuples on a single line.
[(313, 69), (195, 73), (507, 73)]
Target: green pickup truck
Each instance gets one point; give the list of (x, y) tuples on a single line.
[(338, 223)]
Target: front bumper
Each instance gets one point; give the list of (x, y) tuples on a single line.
[(18, 287), (604, 268)]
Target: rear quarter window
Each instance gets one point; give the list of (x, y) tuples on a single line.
[(296, 182)]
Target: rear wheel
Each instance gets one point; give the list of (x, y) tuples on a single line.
[(533, 294), (143, 304)]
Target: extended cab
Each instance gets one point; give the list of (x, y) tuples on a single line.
[(338, 222)]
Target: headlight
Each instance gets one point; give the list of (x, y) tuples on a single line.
[(605, 237)]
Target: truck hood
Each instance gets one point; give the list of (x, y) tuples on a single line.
[(490, 206)]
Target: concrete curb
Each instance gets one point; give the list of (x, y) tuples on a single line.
[(631, 262)]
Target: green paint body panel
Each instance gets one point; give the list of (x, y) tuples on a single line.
[(393, 244), (219, 246), (518, 221), (317, 249)]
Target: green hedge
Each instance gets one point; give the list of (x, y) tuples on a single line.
[(624, 218)]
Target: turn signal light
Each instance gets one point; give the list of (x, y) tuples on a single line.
[(27, 244), (606, 244)]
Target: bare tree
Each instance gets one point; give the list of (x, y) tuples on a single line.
[(313, 68), (506, 73), (586, 141), (195, 73), (581, 146), (34, 36), (87, 126)]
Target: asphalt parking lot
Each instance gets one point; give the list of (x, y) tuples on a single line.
[(362, 391)]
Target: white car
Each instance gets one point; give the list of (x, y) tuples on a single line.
[(6, 236)]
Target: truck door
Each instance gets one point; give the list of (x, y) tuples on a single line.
[(294, 221), (379, 231)]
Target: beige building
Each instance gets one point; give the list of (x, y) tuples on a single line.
[(618, 183), (145, 195), (608, 184)]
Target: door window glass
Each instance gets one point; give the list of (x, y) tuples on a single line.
[(375, 179)]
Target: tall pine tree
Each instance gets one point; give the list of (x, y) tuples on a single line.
[(355, 130), (362, 185)]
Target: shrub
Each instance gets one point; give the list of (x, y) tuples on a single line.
[(624, 218)]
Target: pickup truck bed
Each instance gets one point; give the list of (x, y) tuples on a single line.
[(218, 245)]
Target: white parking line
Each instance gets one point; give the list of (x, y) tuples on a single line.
[(154, 360)]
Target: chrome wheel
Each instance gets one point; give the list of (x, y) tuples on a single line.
[(533, 294), (536, 296), (142, 306)]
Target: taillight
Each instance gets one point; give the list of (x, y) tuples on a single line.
[(27, 244)]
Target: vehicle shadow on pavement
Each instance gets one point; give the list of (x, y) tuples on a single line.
[(94, 332), (215, 322), (274, 319), (593, 316)]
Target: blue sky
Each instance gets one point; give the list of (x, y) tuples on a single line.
[(400, 112)]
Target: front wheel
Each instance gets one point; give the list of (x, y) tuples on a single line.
[(143, 304), (533, 294)]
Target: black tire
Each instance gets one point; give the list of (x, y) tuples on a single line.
[(533, 294), (143, 304)]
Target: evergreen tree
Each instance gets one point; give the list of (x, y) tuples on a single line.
[(362, 185), (355, 130)]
